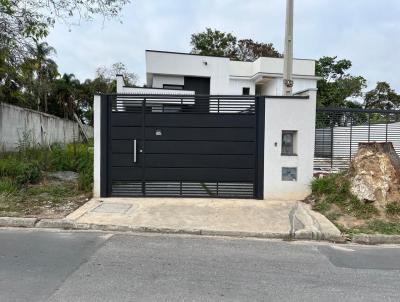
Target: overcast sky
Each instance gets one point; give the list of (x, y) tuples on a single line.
[(365, 31)]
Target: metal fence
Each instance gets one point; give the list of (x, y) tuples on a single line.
[(340, 130)]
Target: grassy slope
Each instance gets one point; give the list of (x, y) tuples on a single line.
[(25, 190), (331, 196)]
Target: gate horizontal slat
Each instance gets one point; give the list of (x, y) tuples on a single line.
[(127, 132), (188, 174), (126, 119), (185, 161), (199, 147), (208, 134), (226, 120)]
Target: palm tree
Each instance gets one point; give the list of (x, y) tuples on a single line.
[(65, 91), (44, 70)]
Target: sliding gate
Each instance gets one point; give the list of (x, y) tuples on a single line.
[(192, 146)]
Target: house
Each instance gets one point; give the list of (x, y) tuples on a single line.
[(184, 73), (207, 126)]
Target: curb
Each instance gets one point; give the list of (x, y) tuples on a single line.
[(67, 224), (20, 222), (375, 239)]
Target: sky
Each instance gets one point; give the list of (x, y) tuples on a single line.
[(367, 32)]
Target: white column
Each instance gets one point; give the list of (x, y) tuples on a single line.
[(97, 144), (288, 53), (296, 114)]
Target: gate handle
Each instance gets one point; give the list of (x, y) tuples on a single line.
[(134, 150)]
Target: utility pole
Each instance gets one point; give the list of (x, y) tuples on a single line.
[(288, 54)]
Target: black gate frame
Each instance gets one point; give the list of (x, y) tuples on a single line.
[(105, 145)]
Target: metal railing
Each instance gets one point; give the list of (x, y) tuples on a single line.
[(339, 131)]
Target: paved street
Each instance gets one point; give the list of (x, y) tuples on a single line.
[(94, 266)]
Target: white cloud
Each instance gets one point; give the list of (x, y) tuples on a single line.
[(364, 31)]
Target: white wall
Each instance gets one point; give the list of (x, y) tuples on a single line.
[(41, 128), (289, 114), (226, 76), (160, 80), (216, 68), (97, 144), (236, 86)]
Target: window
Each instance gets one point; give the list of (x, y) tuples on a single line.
[(173, 87), (289, 142), (289, 174), (246, 91)]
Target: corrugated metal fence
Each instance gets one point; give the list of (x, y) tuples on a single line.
[(340, 130)]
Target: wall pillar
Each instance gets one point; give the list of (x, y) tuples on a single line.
[(97, 144), (291, 113)]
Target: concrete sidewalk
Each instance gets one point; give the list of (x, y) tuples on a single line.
[(226, 217)]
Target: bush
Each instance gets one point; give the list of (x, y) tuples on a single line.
[(24, 167), (21, 172), (77, 158)]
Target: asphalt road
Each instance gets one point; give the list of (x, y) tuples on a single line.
[(94, 266)]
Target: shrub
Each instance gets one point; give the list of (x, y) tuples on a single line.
[(24, 166), (20, 171)]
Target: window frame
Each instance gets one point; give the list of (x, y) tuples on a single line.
[(173, 87), (243, 88), (294, 134)]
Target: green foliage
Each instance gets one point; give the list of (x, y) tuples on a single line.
[(393, 209), (334, 189), (25, 166), (377, 226), (7, 186), (213, 43), (30, 200), (217, 43), (19, 171), (382, 97), (337, 87)]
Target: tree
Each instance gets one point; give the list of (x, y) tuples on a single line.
[(23, 21), (109, 73), (218, 43), (44, 70), (214, 43), (65, 91), (249, 50), (337, 88), (382, 97)]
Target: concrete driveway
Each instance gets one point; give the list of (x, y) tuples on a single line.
[(229, 217)]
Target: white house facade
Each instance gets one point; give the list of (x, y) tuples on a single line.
[(207, 126), (206, 75)]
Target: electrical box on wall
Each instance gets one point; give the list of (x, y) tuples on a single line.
[(289, 174)]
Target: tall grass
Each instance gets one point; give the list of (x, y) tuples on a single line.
[(28, 164)]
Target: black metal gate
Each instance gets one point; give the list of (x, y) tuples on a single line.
[(192, 146)]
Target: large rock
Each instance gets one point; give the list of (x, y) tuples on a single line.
[(64, 175), (375, 174)]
